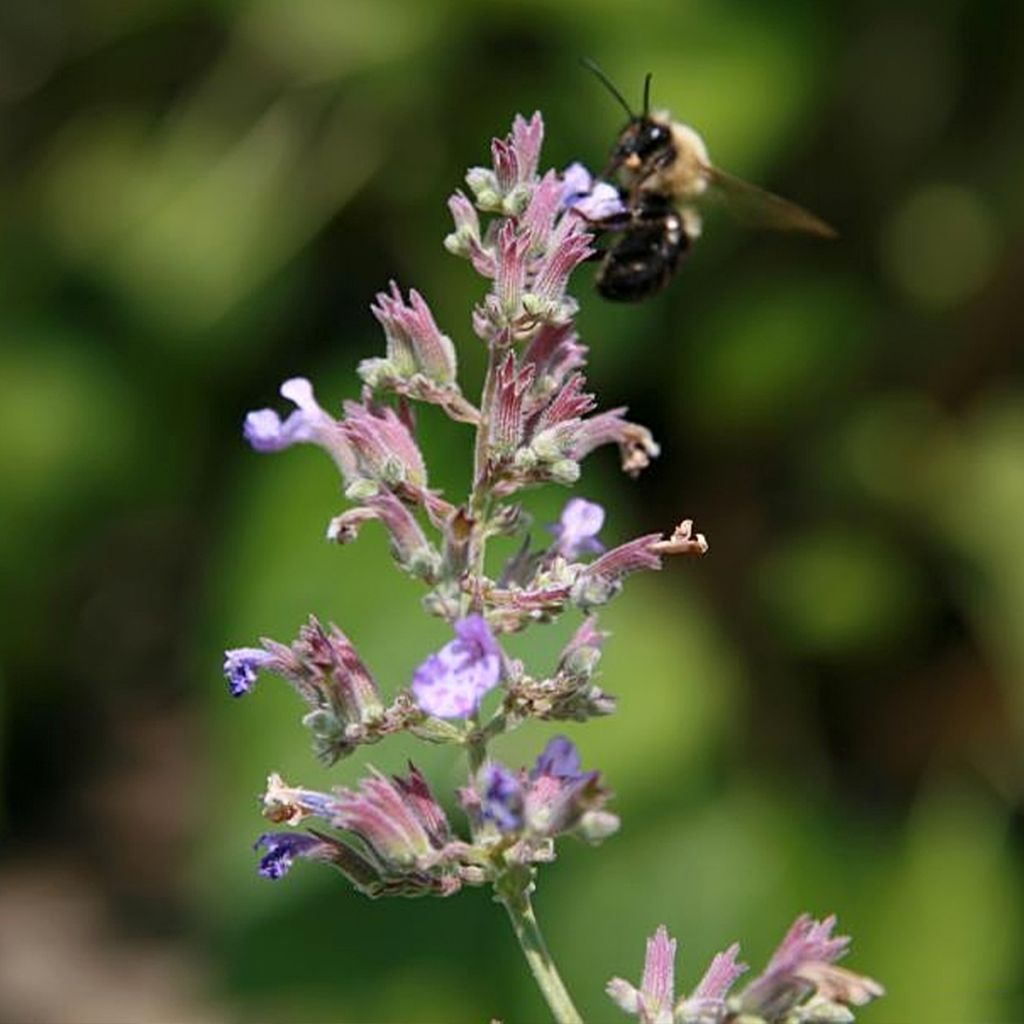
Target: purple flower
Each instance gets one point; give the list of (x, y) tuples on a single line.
[(308, 423), (594, 199), (560, 759), (501, 797), (560, 797), (401, 840), (451, 683), (267, 432), (282, 848), (577, 529), (241, 666)]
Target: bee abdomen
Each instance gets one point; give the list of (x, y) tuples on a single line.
[(644, 259)]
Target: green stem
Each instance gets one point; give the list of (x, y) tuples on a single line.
[(510, 885), (524, 923)]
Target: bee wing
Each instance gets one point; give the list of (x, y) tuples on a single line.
[(763, 209)]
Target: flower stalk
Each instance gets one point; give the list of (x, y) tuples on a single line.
[(534, 425), (545, 973)]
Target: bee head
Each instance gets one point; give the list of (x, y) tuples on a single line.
[(644, 146)]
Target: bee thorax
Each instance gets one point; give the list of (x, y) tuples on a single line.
[(686, 176)]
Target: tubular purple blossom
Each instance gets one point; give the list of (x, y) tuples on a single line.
[(594, 200), (241, 666), (309, 423), (501, 797), (282, 849), (451, 683), (577, 529), (601, 580), (560, 797), (556, 351)]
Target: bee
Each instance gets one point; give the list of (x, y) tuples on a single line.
[(665, 173)]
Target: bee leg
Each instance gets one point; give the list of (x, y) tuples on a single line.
[(604, 225)]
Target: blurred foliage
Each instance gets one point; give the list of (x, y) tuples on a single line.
[(200, 199)]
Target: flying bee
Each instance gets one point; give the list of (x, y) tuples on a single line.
[(665, 173)]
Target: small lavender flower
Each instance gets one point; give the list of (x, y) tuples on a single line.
[(560, 759), (501, 797), (451, 682), (241, 666), (561, 798), (577, 529), (282, 848), (594, 199), (309, 423)]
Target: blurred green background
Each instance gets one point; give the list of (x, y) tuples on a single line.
[(200, 199)]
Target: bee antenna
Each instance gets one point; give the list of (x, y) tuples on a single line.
[(591, 65), (647, 93)]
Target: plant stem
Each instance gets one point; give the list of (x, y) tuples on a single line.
[(524, 923)]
